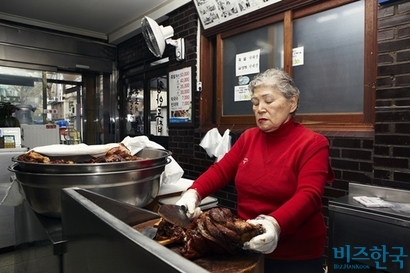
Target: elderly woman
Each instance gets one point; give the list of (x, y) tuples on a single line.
[(280, 169)]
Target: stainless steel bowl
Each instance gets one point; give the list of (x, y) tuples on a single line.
[(137, 187), (151, 157)]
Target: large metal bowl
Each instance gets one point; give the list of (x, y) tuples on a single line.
[(137, 187), (151, 157)]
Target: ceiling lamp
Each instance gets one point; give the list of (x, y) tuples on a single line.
[(156, 36)]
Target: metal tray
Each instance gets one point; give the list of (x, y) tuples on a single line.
[(152, 157)]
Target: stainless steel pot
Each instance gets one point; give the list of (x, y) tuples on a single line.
[(151, 157), (137, 187)]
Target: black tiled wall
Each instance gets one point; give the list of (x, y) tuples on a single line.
[(392, 127)]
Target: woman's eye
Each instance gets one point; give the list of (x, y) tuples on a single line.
[(255, 102)]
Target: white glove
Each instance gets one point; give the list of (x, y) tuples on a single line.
[(266, 242), (190, 199)]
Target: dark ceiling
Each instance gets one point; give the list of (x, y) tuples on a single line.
[(110, 20)]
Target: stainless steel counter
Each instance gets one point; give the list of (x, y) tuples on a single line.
[(368, 238), (43, 235), (7, 213), (100, 238), (96, 234)]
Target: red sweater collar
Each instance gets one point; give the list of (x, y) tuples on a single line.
[(284, 130)]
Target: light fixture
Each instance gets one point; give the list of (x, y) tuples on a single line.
[(156, 36)]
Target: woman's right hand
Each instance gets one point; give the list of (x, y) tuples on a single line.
[(190, 199)]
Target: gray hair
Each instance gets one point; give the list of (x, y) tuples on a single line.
[(277, 79)]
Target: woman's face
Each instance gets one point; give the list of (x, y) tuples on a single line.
[(271, 108)]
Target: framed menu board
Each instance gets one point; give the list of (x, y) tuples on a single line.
[(180, 97), (215, 12)]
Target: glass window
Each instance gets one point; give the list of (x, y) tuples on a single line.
[(337, 76), (146, 111), (332, 75), (23, 87), (245, 55), (64, 76), (135, 109), (59, 104)]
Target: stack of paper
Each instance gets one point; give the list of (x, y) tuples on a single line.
[(374, 202)]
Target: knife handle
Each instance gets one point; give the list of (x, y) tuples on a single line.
[(183, 208)]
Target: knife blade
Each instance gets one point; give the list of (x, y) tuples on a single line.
[(174, 214), (150, 232)]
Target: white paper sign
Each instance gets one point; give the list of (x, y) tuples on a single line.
[(248, 62), (242, 93), (297, 56), (180, 95)]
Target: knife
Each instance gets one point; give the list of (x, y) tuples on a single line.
[(150, 232), (174, 214)]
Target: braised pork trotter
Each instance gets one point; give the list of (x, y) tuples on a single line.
[(217, 231)]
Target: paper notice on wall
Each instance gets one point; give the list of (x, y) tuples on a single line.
[(242, 93), (248, 62), (297, 56), (374, 202)]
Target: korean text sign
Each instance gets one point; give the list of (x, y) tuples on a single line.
[(180, 96)]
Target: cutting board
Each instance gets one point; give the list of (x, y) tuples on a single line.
[(244, 262)]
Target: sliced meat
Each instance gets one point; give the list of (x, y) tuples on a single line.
[(32, 156)]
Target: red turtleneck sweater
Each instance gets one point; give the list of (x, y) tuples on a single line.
[(281, 174)]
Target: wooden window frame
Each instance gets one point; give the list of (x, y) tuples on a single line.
[(212, 50)]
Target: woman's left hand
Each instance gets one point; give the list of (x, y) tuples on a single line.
[(266, 242)]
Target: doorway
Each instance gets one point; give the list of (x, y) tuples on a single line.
[(146, 106), (71, 100)]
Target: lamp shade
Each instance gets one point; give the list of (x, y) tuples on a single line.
[(155, 35)]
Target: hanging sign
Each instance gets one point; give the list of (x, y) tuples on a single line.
[(215, 12), (180, 96)]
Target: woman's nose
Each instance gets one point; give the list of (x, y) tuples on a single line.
[(261, 108)]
